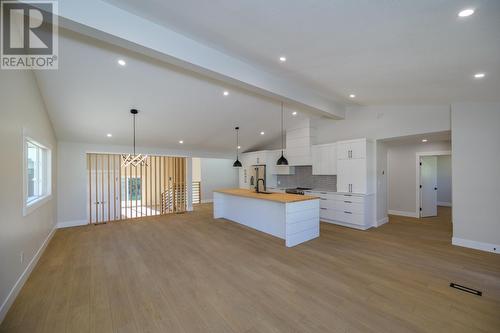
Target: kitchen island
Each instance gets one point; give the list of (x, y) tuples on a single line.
[(292, 217)]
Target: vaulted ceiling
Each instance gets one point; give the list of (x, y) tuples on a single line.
[(90, 95), (385, 52)]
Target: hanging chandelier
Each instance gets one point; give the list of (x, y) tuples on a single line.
[(134, 159)]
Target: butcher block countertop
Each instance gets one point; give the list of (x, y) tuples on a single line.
[(278, 197)]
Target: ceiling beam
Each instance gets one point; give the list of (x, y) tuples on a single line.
[(114, 25)]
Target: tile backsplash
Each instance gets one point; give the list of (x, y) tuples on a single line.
[(303, 177)]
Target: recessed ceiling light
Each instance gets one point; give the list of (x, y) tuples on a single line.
[(262, 133), (109, 135), (424, 140), (352, 96), (226, 93), (479, 75), (181, 142), (282, 59), (294, 113), (121, 62), (239, 147), (466, 12)]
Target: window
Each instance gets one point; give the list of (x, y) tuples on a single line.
[(37, 182)]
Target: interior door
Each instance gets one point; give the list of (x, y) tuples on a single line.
[(428, 186)]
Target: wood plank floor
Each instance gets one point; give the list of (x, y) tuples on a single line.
[(190, 273)]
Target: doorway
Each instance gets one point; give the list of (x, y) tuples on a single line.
[(433, 182)]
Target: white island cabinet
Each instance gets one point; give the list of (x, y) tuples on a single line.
[(294, 218)]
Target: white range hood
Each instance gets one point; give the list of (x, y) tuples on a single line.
[(299, 139)]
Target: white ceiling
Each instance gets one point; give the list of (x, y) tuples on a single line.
[(91, 95), (386, 52)]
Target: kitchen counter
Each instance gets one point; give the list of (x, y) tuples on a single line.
[(275, 196), (292, 217)]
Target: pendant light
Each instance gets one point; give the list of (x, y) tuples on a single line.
[(134, 160), (282, 160), (237, 163)]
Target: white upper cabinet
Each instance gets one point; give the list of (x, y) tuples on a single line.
[(267, 158), (254, 158), (274, 169), (352, 149), (324, 159)]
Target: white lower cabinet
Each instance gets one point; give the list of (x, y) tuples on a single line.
[(350, 210)]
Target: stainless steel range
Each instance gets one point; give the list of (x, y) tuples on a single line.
[(297, 190)]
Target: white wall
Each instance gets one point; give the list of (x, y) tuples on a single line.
[(476, 175), (21, 107), (444, 180), (216, 174), (382, 122), (381, 171), (196, 169), (402, 171)]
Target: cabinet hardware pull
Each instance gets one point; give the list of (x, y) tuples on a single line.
[(323, 192), (347, 212), (347, 195), (348, 201), (323, 208), (323, 198)]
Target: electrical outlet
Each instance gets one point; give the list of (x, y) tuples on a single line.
[(22, 257)]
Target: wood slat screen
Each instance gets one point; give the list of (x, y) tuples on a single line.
[(196, 192), (119, 193)]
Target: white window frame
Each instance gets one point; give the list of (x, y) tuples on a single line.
[(29, 207)]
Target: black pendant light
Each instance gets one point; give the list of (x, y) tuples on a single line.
[(237, 163), (282, 160)]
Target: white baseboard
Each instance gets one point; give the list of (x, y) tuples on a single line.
[(382, 221), (23, 277), (68, 224), (403, 213), (475, 245), (207, 201), (444, 204)]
